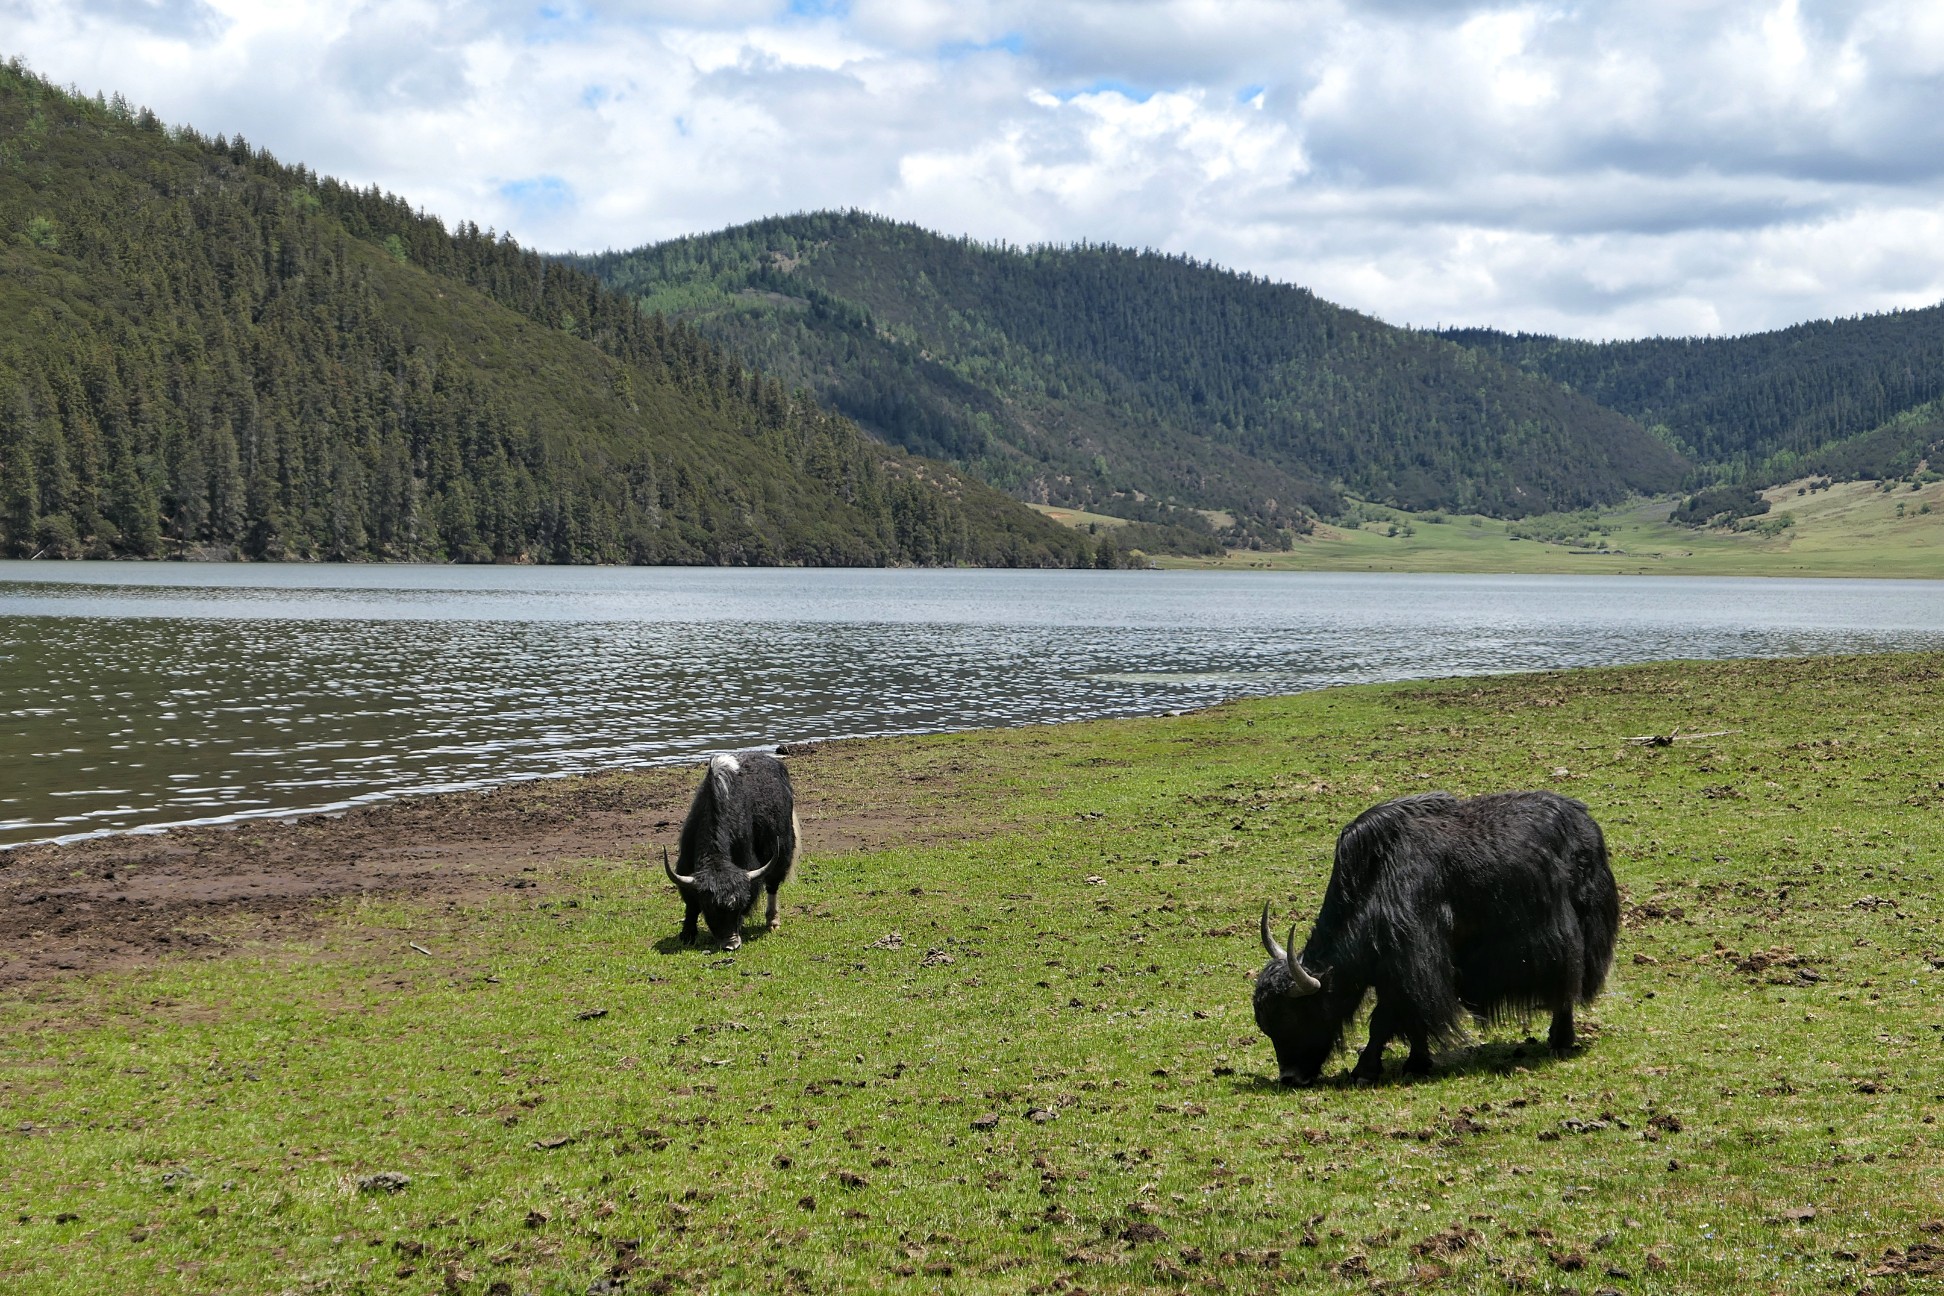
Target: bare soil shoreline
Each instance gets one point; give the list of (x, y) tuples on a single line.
[(128, 900)]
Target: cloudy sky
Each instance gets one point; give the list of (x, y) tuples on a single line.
[(1602, 168)]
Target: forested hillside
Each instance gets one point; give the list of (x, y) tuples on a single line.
[(203, 350), (1846, 398), (1126, 382)]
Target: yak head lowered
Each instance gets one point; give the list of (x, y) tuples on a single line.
[(1300, 1018), (722, 891)]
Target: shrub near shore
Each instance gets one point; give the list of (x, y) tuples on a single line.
[(1024, 1061)]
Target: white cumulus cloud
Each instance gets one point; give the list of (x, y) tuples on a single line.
[(1596, 167)]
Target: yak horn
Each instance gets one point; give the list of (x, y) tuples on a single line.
[(1301, 983), (1274, 950), (673, 876), (756, 875)]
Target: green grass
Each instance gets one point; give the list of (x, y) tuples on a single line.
[(1851, 529), (1073, 517), (802, 1116)]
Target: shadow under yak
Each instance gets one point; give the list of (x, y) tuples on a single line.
[(1484, 1057)]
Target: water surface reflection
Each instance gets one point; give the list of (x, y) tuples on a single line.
[(135, 695)]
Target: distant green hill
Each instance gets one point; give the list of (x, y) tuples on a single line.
[(1136, 384), (203, 350), (1853, 398)]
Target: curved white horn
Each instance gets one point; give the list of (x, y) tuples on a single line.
[(1274, 950), (1301, 983), (673, 876), (756, 875)]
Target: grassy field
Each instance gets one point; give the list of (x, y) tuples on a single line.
[(1022, 1059), (1077, 517), (1081, 518), (1850, 529)]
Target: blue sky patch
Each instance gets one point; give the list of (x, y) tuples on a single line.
[(1011, 43), (541, 193), (1108, 86), (557, 22)]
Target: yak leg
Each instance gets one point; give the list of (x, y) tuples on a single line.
[(688, 925), (1562, 1037), (1419, 1062), (1383, 1025), (776, 883)]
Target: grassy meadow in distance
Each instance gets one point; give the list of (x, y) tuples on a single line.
[(1024, 1061), (1850, 529), (1073, 517)]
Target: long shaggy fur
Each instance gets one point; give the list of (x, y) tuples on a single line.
[(1450, 908), (743, 816)]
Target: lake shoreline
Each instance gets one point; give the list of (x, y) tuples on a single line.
[(149, 695), (129, 899), (1550, 560)]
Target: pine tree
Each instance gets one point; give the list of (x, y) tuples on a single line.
[(228, 504), (20, 500), (132, 508)]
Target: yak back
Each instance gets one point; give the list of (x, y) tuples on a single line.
[(742, 813), (1494, 904)]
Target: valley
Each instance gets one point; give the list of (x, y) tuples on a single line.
[(1851, 529)]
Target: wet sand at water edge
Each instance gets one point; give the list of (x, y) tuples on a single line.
[(128, 900)]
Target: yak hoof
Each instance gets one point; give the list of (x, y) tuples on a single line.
[(733, 943), (775, 923), (1417, 1065)]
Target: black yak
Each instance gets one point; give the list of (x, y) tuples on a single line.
[(739, 840), (1496, 904)]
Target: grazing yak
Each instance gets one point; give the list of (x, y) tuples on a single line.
[(1495, 904), (739, 840)]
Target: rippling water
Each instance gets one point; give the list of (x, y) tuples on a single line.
[(136, 695)]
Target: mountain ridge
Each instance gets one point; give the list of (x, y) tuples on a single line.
[(1848, 397), (1103, 378), (203, 349)]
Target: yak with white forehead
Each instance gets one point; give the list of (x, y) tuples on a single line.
[(1444, 907), (739, 841)]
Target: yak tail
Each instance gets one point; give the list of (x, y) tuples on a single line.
[(1598, 901), (721, 770), (795, 850)]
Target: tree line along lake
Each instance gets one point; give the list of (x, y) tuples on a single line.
[(133, 696)]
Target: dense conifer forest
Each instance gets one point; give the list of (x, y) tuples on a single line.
[(206, 351), (1850, 398), (1133, 383)]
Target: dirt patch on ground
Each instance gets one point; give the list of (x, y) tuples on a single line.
[(128, 900)]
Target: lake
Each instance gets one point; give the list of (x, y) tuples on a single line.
[(136, 695)]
